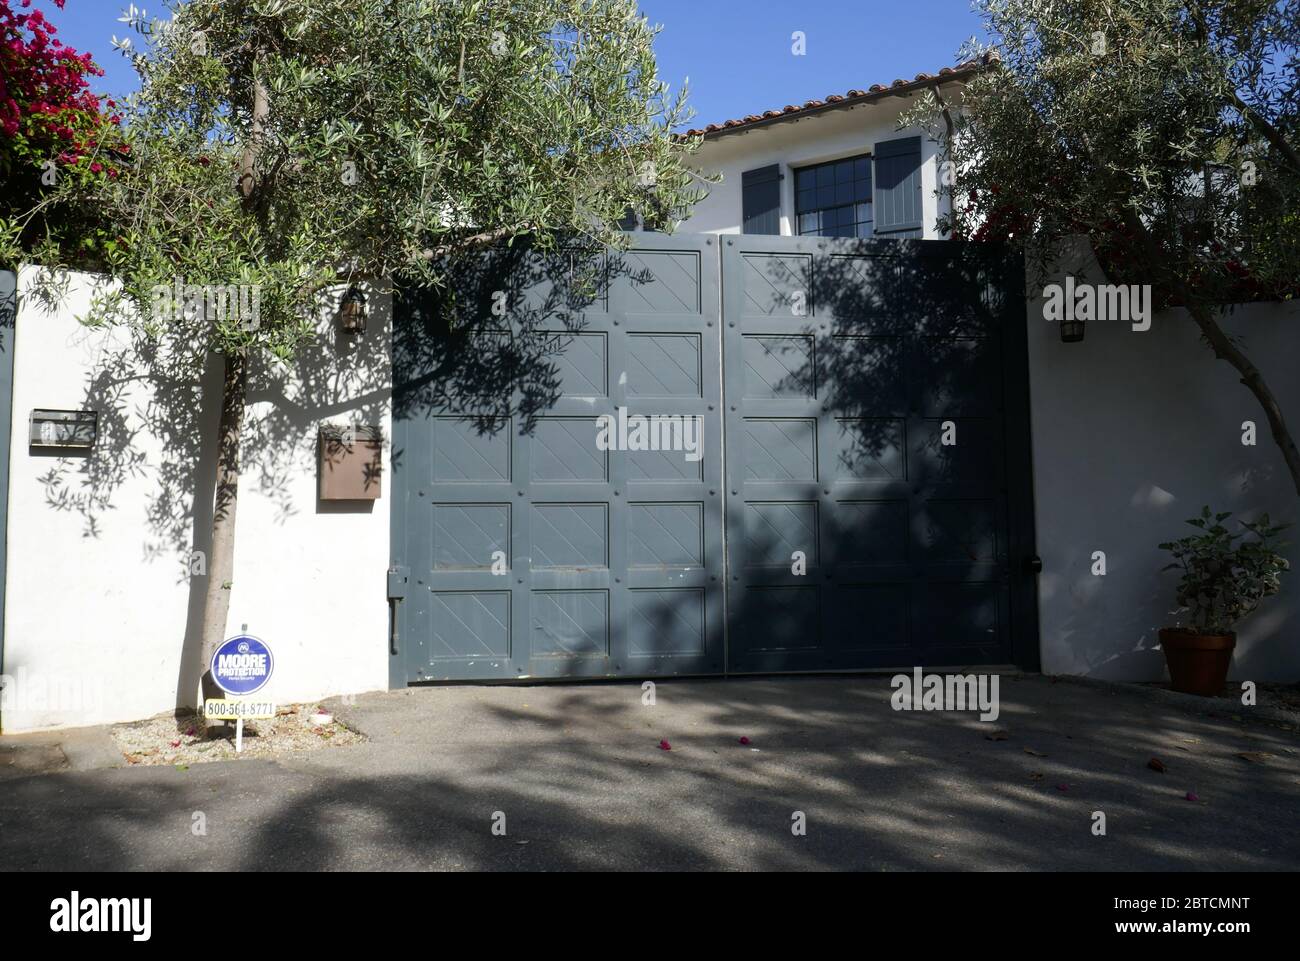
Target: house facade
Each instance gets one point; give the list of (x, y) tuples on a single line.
[(1122, 437), (839, 167)]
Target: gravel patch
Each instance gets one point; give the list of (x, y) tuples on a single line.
[(181, 741)]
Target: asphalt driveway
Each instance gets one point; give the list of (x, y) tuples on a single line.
[(578, 773)]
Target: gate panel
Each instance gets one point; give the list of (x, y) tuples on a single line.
[(870, 409), (612, 558)]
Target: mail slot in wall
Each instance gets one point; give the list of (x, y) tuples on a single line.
[(64, 428), (351, 463)]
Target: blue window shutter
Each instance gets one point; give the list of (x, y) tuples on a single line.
[(898, 188), (761, 200)]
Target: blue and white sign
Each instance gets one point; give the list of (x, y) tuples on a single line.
[(242, 665)]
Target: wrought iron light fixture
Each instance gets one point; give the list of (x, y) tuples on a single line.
[(352, 311)]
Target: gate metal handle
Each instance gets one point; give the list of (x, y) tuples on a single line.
[(397, 578)]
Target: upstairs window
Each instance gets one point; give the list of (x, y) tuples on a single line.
[(834, 199)]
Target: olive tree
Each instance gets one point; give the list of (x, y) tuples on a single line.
[(291, 146), (1166, 131)]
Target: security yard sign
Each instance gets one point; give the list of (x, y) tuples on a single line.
[(241, 665)]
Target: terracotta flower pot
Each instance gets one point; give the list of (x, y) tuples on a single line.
[(1198, 663)]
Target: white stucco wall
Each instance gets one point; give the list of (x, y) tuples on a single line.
[(101, 614), (815, 139), (1132, 433)]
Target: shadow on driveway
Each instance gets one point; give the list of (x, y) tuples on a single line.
[(578, 774)]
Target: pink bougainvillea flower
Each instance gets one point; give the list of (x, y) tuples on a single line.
[(744, 740), (665, 746), (1191, 796)]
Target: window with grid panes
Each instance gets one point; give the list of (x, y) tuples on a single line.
[(834, 199)]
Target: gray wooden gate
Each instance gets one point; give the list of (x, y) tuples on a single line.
[(607, 562), (862, 419)]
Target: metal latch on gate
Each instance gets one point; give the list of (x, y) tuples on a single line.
[(397, 580)]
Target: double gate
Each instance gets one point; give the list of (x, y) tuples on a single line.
[(712, 454)]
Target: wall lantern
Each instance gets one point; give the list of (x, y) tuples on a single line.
[(1071, 331), (76, 429), (352, 311)]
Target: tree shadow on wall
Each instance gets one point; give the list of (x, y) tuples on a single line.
[(158, 398)]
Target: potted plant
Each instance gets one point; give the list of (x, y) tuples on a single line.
[(1224, 577)]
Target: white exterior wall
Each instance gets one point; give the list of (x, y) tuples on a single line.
[(832, 135), (99, 600), (1132, 433)]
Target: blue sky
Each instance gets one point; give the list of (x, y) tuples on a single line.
[(737, 53)]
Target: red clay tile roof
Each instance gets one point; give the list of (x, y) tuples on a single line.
[(853, 97)]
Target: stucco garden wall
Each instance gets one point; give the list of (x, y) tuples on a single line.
[(1132, 433), (102, 612)]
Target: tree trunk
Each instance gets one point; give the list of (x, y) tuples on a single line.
[(221, 565), (1225, 349)]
